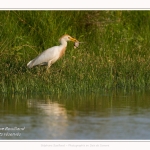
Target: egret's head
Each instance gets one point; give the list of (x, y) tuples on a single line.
[(67, 37)]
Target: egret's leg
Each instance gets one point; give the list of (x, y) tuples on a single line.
[(48, 65)]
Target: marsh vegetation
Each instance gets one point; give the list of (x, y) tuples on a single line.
[(115, 53)]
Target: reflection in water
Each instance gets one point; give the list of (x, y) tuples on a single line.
[(93, 116)]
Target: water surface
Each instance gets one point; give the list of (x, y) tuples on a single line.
[(115, 116)]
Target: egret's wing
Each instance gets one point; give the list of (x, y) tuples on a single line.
[(44, 57)]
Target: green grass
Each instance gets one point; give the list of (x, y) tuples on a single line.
[(115, 53)]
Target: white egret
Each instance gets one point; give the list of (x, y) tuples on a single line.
[(51, 55)]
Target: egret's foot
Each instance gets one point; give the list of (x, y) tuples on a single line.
[(48, 70)]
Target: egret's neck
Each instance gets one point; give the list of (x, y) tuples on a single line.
[(63, 42)]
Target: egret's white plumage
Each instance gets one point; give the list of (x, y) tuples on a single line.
[(51, 55)]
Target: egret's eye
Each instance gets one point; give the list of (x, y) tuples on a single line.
[(68, 37)]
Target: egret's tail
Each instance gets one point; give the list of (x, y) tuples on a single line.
[(30, 64)]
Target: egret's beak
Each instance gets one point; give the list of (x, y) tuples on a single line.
[(73, 39)]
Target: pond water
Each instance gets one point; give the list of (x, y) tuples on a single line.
[(115, 116)]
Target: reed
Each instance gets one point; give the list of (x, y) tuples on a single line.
[(115, 53)]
